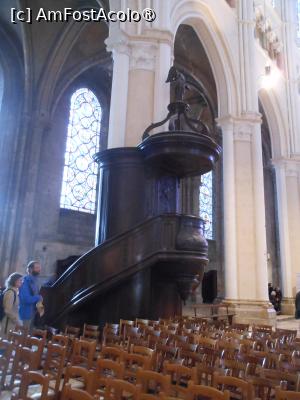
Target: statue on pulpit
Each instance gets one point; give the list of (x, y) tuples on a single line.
[(178, 83)]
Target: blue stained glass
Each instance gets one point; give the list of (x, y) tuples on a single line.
[(206, 203), (80, 171)]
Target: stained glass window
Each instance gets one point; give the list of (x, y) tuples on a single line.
[(80, 171), (206, 203)]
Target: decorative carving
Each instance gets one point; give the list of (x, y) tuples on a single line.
[(143, 56)]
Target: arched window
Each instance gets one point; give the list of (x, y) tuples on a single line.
[(80, 171), (206, 203)]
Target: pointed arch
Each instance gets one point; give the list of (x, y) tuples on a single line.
[(199, 16), (276, 123)]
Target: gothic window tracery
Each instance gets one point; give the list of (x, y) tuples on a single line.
[(206, 203), (80, 171)]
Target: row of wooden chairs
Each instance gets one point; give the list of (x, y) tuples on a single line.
[(225, 387)]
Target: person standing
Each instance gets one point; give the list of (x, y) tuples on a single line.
[(11, 304), (29, 294)]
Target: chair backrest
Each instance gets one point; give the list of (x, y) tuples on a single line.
[(142, 350), (112, 353), (36, 344), (39, 333), (73, 372), (204, 342), (55, 362), (134, 362), (62, 340), (236, 386), (72, 331), (154, 382), (30, 377), (180, 377), (286, 394), (123, 324), (17, 338), (7, 349), (118, 389), (91, 332), (83, 353), (208, 392), (106, 367), (69, 393), (164, 353), (25, 359)]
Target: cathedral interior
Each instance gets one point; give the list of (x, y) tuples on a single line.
[(150, 164)]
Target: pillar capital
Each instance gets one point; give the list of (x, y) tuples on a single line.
[(143, 55), (291, 167)]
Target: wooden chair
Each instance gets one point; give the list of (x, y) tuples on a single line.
[(237, 387), (153, 382), (292, 380), (111, 339), (117, 389), (6, 348), (62, 340), (27, 390), (180, 376), (36, 344), (281, 394), (154, 339), (106, 369), (54, 364), (240, 327), (164, 353), (17, 338), (40, 334), (204, 342), (144, 351), (173, 339), (25, 359), (69, 393), (72, 331), (112, 353), (208, 392), (141, 322), (265, 329), (235, 368), (124, 323), (90, 332), (78, 378), (133, 363), (189, 358), (83, 353)]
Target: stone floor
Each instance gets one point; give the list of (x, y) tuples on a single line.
[(288, 322)]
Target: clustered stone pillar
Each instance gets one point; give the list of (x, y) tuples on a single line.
[(246, 272), (288, 200)]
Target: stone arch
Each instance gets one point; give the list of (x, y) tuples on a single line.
[(198, 15), (276, 123)]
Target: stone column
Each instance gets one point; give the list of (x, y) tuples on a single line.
[(139, 93), (288, 197), (119, 91), (284, 232), (246, 272), (230, 248), (140, 104)]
